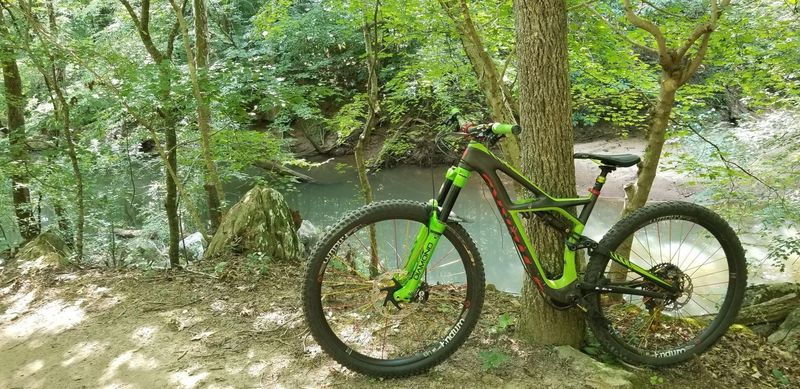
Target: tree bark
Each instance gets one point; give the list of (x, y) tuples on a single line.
[(501, 102), (162, 60), (15, 109), (62, 110), (199, 73), (547, 144), (370, 29), (636, 194)]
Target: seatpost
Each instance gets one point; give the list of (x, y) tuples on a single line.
[(595, 192)]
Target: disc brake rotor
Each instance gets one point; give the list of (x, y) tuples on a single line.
[(673, 275)]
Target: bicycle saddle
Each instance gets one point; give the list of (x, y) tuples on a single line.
[(618, 160)]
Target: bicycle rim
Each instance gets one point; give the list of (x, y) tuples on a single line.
[(353, 284), (685, 252)]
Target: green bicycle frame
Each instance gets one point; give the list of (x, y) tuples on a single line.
[(478, 158)]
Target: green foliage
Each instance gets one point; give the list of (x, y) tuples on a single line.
[(504, 322), (780, 377), (491, 359), (655, 380), (783, 248)]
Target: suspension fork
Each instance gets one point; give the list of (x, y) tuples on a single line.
[(428, 236)]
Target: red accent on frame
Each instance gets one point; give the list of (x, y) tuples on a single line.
[(594, 191), (526, 259)]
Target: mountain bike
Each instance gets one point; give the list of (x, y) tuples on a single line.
[(395, 287)]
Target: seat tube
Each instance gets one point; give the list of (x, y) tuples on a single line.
[(595, 193)]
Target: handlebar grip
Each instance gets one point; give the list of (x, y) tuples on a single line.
[(505, 129)]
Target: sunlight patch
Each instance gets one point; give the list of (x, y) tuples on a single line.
[(272, 320), (32, 367), (130, 360), (256, 369), (188, 378), (19, 304), (81, 351), (143, 335), (51, 318)]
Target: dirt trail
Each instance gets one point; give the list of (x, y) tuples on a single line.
[(148, 329), (134, 330)]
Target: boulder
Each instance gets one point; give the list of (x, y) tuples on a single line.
[(788, 334), (46, 250), (194, 246), (309, 235), (595, 373), (141, 251), (261, 222)]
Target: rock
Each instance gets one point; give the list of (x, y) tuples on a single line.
[(309, 235), (764, 329), (194, 246), (595, 373), (769, 304), (127, 234), (757, 294), (260, 222), (46, 250), (788, 334), (141, 251)]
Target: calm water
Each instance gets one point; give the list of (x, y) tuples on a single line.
[(336, 192)]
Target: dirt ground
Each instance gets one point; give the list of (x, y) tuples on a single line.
[(154, 329)]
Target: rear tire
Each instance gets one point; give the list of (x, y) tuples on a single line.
[(690, 323)]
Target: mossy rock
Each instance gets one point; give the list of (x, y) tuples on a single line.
[(46, 250), (261, 224)]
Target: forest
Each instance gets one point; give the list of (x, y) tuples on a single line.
[(170, 169)]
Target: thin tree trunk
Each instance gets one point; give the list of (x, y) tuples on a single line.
[(15, 109), (198, 70), (636, 195), (63, 109), (371, 42), (162, 60), (547, 142), (502, 105)]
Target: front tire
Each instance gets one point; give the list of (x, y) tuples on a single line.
[(693, 247), (343, 295)]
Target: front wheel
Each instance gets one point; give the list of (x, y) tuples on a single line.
[(691, 247), (352, 270)]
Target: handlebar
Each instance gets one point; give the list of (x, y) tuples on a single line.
[(490, 133), (505, 129)]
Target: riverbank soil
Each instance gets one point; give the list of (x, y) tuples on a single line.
[(149, 329)]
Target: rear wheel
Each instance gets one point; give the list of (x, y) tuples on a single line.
[(687, 245), (346, 287)]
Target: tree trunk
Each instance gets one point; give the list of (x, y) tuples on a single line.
[(503, 107), (636, 195), (15, 108), (199, 73), (547, 146), (54, 81), (171, 140), (373, 89)]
